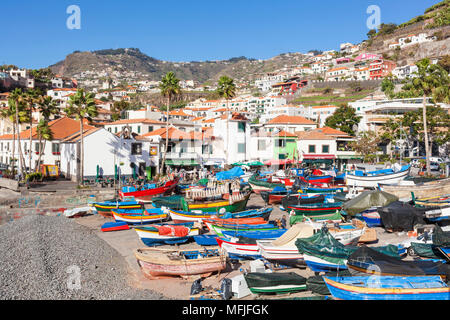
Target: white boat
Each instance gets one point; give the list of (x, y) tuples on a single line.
[(372, 179)]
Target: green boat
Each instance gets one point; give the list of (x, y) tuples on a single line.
[(275, 283), (259, 185), (337, 217), (315, 209)]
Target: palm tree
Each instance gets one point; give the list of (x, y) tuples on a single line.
[(227, 90), (44, 132), (82, 106), (16, 101), (47, 107), (431, 81), (170, 88), (31, 98)]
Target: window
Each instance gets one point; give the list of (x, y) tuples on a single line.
[(55, 147), (139, 129), (311, 148), (115, 130), (241, 147), (183, 147), (207, 149), (281, 143), (241, 126), (325, 149), (261, 145), (136, 148), (36, 146), (150, 128)]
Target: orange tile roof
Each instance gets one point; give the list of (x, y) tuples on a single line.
[(312, 135), (321, 107), (212, 120), (333, 132), (198, 118), (283, 133), (284, 119), (179, 113), (61, 129), (175, 134), (128, 121)]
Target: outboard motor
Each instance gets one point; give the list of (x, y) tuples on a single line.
[(196, 287), (225, 289)]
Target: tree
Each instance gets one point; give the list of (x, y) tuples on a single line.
[(445, 62), (372, 33), (82, 106), (344, 118), (47, 107), (170, 88), (31, 98), (118, 108), (387, 86), (431, 80), (227, 90), (392, 131), (366, 144), (16, 101)]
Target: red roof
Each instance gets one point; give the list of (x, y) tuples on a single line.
[(283, 119)]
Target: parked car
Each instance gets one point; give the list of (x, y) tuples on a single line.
[(434, 166)]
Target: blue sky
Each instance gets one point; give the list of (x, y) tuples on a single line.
[(34, 33)]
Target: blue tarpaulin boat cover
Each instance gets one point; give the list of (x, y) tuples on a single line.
[(230, 174)]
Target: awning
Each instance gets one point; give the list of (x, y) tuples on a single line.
[(319, 156), (182, 162)]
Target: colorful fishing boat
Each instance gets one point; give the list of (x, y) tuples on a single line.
[(218, 229), (157, 263), (234, 204), (438, 214), (367, 261), (233, 221), (149, 190), (314, 209), (257, 235), (420, 190), (206, 240), (274, 283), (166, 234), (388, 288), (104, 208), (114, 226), (239, 248), (274, 196), (440, 201), (283, 250), (371, 179), (138, 216), (259, 185)]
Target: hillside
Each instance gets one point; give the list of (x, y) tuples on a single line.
[(134, 61), (435, 22)]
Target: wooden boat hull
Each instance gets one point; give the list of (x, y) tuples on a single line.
[(156, 265), (373, 181), (216, 206), (138, 219), (317, 264), (218, 229), (281, 254), (148, 194), (236, 250), (387, 288), (105, 209), (312, 210), (425, 190)]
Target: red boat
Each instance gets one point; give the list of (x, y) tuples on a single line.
[(149, 190), (314, 180)]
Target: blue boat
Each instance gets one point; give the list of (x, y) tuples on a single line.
[(206, 240), (257, 235), (388, 288)]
